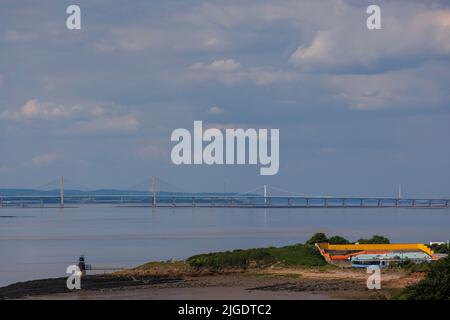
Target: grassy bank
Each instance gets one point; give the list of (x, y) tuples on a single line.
[(288, 256)]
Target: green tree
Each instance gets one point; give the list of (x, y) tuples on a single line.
[(376, 239), (338, 240), (435, 285), (317, 238), (440, 248)]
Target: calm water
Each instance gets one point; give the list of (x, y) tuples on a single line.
[(41, 243)]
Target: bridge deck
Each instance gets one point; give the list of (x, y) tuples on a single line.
[(238, 201)]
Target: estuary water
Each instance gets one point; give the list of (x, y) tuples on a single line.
[(40, 243)]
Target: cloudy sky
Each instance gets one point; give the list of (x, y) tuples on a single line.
[(359, 111)]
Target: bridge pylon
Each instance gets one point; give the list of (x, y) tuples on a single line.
[(154, 192), (61, 192)]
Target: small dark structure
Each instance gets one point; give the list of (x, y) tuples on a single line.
[(82, 264)]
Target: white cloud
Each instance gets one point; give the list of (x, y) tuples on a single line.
[(220, 66), (402, 43), (145, 38), (110, 124), (216, 110), (76, 119), (36, 110), (231, 72)]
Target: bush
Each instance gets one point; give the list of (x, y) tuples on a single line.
[(295, 255)]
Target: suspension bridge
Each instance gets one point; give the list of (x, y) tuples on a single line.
[(160, 193)]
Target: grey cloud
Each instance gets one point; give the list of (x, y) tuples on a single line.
[(404, 89)]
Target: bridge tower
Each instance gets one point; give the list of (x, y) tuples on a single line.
[(154, 192), (61, 192), (265, 194)]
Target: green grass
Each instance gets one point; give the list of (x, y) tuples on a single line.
[(159, 264), (294, 255)]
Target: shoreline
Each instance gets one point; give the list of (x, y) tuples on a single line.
[(167, 281)]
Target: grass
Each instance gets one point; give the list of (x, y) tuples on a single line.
[(159, 264), (288, 256)]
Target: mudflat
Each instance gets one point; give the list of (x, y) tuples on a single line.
[(176, 281)]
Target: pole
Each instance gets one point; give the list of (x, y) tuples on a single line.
[(61, 192), (154, 192)]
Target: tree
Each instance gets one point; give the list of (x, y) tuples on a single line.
[(338, 240), (376, 239), (435, 286), (317, 238), (440, 248)]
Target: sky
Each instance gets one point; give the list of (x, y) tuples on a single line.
[(359, 111)]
